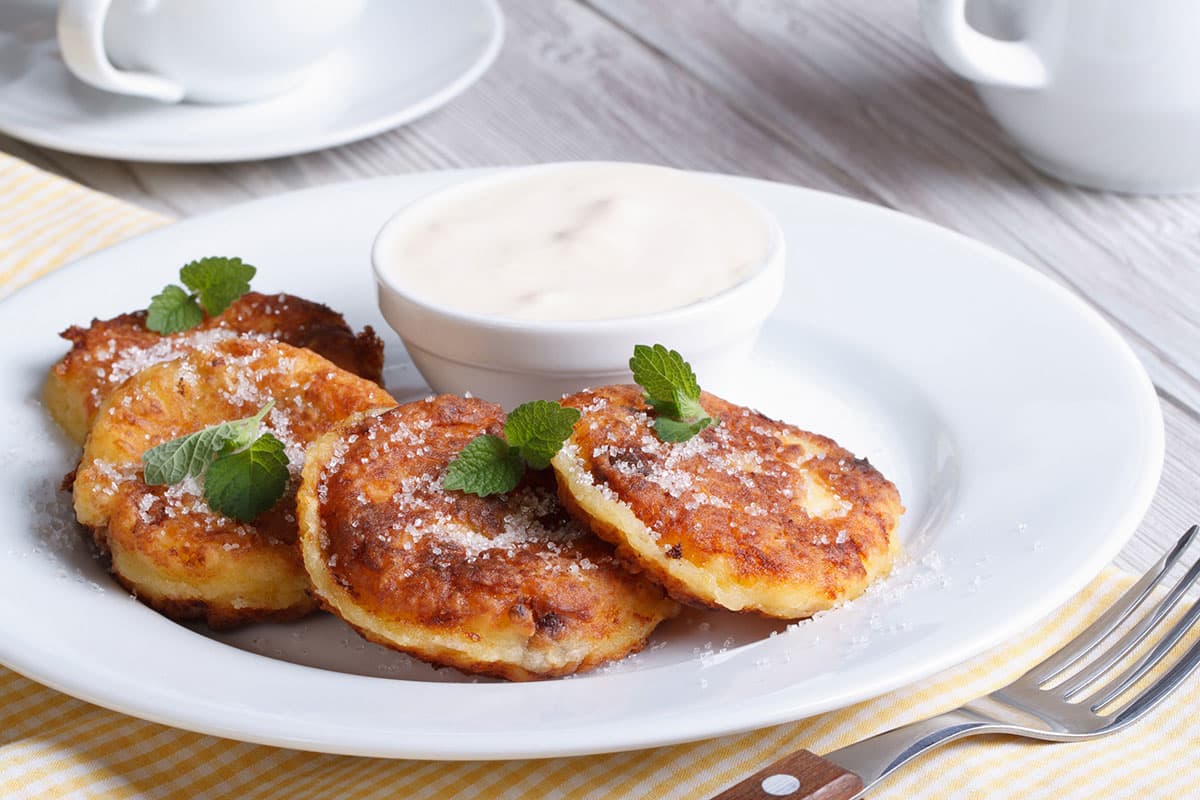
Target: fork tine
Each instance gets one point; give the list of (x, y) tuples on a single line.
[(1149, 697), (1132, 638), (1117, 686), (1112, 618)]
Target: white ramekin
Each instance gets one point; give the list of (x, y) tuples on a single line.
[(511, 361)]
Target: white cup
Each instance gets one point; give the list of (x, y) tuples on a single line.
[(207, 51), (1102, 93)]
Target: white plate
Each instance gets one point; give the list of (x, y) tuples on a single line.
[(404, 60), (1024, 436)]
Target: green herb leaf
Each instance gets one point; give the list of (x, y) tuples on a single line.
[(671, 390), (217, 281), (538, 429), (665, 408), (188, 456), (173, 310), (244, 484), (663, 374), (242, 432), (690, 408), (681, 407), (670, 430), (487, 465), (490, 465)]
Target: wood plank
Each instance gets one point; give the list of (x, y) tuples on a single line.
[(853, 81), (1177, 502)]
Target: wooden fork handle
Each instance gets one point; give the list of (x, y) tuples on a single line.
[(799, 776)]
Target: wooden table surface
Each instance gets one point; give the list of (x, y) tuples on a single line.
[(839, 95)]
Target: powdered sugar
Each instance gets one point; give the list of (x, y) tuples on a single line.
[(113, 476), (185, 497), (279, 424), (532, 519), (132, 360), (436, 521)]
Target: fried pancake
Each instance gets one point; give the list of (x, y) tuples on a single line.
[(750, 515), (506, 585), (107, 352), (166, 545)]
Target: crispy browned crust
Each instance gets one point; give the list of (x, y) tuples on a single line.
[(385, 548), (752, 515), (216, 617), (164, 543), (84, 377), (303, 323)]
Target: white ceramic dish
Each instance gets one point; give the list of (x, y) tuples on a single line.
[(511, 361), (1024, 436), (401, 62)]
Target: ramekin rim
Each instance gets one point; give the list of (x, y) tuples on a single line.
[(773, 261)]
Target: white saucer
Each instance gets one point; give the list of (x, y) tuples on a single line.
[(405, 60)]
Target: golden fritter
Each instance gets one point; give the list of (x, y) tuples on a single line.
[(166, 545), (506, 585), (749, 515), (107, 352)]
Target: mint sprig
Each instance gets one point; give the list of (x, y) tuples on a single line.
[(487, 465), (537, 430), (244, 472), (245, 483), (533, 434), (671, 390), (173, 310), (215, 284)]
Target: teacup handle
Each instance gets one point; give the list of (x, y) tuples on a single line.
[(975, 56), (81, 39)]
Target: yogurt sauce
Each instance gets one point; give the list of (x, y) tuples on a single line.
[(587, 241)]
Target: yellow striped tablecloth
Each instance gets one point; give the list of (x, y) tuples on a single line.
[(53, 746)]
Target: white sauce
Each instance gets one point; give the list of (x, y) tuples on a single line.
[(579, 242)]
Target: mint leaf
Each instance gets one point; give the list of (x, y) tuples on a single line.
[(188, 456), (241, 433), (244, 473), (663, 373), (665, 408), (244, 484), (217, 281), (671, 390), (681, 407), (487, 465), (173, 310), (670, 430), (690, 408), (490, 465), (538, 429)]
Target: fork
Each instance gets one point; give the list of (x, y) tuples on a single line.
[(1032, 706)]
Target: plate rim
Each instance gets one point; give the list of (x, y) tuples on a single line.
[(262, 150), (1084, 572)]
